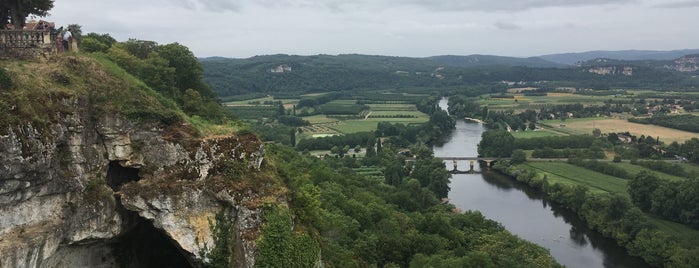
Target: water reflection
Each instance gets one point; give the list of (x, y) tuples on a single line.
[(524, 211)]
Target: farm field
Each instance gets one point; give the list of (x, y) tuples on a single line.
[(394, 113), (586, 125), (635, 169), (319, 119), (260, 100), (536, 134), (561, 172), (521, 102)]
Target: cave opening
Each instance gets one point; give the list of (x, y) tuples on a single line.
[(117, 175), (146, 246)]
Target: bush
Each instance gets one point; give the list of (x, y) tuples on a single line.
[(5, 80)]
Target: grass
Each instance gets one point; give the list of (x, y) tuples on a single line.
[(45, 90), (635, 169), (208, 129), (353, 126), (343, 102), (261, 101), (416, 114), (321, 124), (564, 173), (579, 126), (535, 102), (569, 174), (392, 107), (319, 119), (535, 134), (686, 236)]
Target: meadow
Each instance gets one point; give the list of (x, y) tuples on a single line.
[(564, 173), (394, 113), (579, 126), (520, 102)]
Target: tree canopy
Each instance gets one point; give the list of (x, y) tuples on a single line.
[(16, 11)]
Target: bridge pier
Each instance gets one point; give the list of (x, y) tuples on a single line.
[(455, 166), (471, 170)]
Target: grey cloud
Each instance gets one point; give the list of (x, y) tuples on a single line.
[(506, 26), (681, 4), (503, 5), (209, 5)]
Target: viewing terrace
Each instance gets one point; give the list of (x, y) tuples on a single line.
[(33, 41)]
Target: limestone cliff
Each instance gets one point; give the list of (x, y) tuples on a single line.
[(82, 174), (686, 64)]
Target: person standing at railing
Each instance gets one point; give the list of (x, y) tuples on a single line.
[(67, 40)]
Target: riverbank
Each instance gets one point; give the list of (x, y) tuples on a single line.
[(613, 216)]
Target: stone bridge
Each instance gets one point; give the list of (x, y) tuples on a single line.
[(472, 159)]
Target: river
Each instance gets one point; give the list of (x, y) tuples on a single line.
[(525, 212)]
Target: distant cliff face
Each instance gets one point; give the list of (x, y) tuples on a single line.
[(612, 70), (73, 188), (687, 64)]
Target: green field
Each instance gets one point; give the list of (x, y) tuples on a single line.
[(260, 100), (564, 173), (561, 172), (392, 107), (319, 119), (535, 134), (394, 113), (578, 126), (521, 102), (353, 126), (635, 169)]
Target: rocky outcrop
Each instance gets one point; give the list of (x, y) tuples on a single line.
[(612, 70), (686, 64), (56, 209)]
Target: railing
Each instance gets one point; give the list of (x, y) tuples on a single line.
[(28, 43), (26, 39)]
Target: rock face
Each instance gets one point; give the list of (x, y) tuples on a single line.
[(57, 208), (687, 64), (612, 70)]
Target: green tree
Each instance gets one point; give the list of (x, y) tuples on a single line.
[(596, 133), (292, 137), (93, 42), (496, 143), (188, 71), (16, 11), (518, 157), (77, 32)]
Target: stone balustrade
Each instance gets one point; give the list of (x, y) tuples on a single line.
[(28, 43)]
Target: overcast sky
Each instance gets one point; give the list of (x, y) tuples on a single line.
[(245, 28)]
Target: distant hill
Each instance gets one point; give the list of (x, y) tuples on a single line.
[(685, 64), (572, 58), (490, 60), (290, 75), (317, 73)]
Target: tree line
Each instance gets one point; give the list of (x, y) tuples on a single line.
[(615, 216), (686, 122), (171, 69)]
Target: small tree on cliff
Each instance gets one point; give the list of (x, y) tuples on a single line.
[(17, 11)]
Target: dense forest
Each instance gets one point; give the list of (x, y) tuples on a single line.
[(323, 73)]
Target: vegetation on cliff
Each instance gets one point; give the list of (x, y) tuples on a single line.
[(363, 220), (44, 92)]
